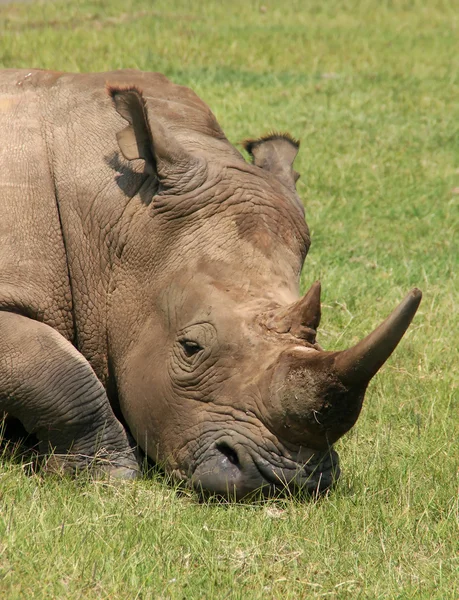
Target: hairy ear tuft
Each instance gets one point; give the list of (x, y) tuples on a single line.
[(250, 144)]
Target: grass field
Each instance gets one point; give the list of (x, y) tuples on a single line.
[(371, 88)]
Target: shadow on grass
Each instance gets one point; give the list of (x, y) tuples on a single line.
[(17, 446)]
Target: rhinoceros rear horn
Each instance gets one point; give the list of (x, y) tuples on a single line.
[(359, 364), (148, 139), (302, 318), (275, 152)]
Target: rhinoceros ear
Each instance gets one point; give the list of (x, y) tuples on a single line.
[(275, 152), (147, 139)]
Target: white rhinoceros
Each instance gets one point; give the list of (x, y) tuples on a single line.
[(149, 283)]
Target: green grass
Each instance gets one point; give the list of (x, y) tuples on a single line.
[(371, 88)]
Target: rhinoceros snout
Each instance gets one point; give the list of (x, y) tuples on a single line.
[(228, 469)]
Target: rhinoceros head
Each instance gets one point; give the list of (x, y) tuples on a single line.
[(218, 370)]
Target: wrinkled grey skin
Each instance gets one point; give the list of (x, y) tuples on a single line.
[(140, 272)]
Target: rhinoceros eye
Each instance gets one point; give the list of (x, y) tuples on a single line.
[(190, 348)]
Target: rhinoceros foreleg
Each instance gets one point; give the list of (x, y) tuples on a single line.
[(51, 388)]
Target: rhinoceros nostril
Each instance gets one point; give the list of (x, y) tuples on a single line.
[(229, 452)]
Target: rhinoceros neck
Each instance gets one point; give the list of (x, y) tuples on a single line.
[(96, 187), (91, 203)]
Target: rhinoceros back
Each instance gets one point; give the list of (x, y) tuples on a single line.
[(33, 270)]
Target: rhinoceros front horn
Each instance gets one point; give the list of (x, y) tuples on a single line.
[(317, 395), (360, 363)]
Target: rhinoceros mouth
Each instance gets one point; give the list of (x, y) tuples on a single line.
[(315, 476), (229, 468)]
